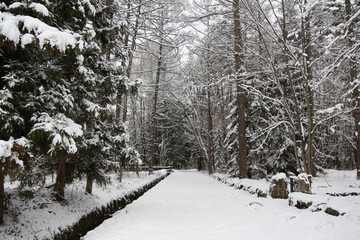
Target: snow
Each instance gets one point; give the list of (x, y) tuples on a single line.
[(82, 70), (42, 217), (335, 181), (38, 7), (23, 142), (62, 131), (191, 205), (5, 148), (304, 177), (9, 29), (80, 59), (92, 107), (331, 110), (7, 152), (26, 39), (17, 5), (47, 35), (91, 7), (3, 6), (250, 185), (279, 176)]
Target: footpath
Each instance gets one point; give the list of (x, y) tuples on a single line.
[(193, 206)]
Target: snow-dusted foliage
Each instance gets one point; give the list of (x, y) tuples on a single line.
[(9, 153), (62, 132), (24, 30), (61, 68)]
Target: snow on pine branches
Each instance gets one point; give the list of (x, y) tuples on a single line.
[(7, 150), (60, 130), (23, 30)]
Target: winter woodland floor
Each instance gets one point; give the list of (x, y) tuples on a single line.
[(41, 217), (191, 205)]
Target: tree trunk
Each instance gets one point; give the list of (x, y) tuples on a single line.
[(2, 195), (308, 77), (125, 106), (89, 184), (137, 169), (211, 163), (243, 172), (199, 159), (165, 138), (134, 111), (109, 2), (131, 55), (223, 126), (121, 173), (60, 179), (154, 121), (118, 107), (353, 77), (293, 92), (142, 137)]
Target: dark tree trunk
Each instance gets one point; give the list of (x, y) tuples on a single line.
[(211, 164), (240, 93), (154, 121), (118, 107), (142, 121), (121, 172), (199, 159), (223, 126), (353, 77), (89, 184), (60, 179), (309, 92), (2, 195)]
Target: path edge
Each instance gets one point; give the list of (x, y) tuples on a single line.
[(97, 216)]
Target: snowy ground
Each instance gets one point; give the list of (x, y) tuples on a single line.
[(332, 183), (191, 205), (41, 217)]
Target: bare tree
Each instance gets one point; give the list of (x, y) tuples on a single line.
[(240, 92)]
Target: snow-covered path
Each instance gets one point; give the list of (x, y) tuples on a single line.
[(192, 206)]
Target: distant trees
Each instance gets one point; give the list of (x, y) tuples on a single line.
[(263, 73), (288, 58), (154, 62)]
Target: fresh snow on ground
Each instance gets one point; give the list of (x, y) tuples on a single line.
[(332, 182), (191, 205), (41, 217)]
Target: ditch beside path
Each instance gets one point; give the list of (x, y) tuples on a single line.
[(189, 205)]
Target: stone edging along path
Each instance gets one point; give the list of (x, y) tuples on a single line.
[(259, 192), (99, 215)]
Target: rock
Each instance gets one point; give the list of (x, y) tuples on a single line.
[(332, 211), (318, 207), (304, 183), (261, 194), (300, 204), (279, 186), (344, 194)]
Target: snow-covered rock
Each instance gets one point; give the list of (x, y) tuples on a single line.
[(279, 186)]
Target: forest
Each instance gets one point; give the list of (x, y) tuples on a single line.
[(249, 88)]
